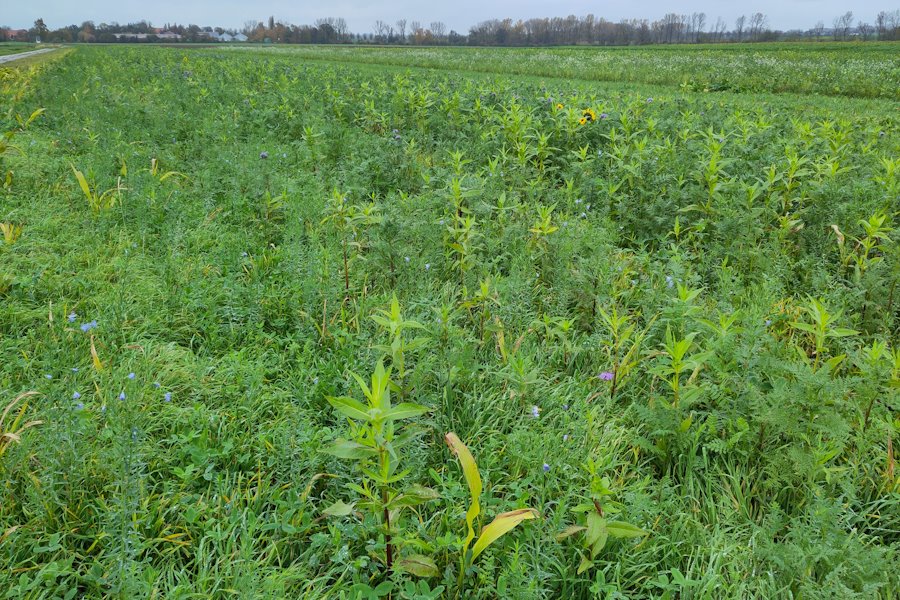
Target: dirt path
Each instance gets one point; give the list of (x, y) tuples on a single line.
[(12, 57)]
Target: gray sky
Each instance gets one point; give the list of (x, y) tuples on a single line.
[(458, 14)]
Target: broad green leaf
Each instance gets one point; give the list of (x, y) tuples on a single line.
[(600, 544), (501, 525), (842, 332), (418, 565), (803, 326), (833, 363), (350, 450), (586, 564), (413, 496), (473, 479), (569, 531), (349, 407), (620, 529), (338, 509), (405, 410), (596, 525)]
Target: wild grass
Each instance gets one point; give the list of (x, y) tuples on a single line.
[(679, 315)]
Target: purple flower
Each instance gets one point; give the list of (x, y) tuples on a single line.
[(131, 376), (546, 468), (72, 317), (605, 376), (535, 412), (604, 115), (76, 396), (167, 396), (264, 155)]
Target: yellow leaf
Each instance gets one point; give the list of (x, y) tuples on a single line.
[(501, 525), (473, 479), (95, 357), (83, 183)]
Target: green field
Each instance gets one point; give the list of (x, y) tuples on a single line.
[(860, 70), (14, 48), (246, 294)]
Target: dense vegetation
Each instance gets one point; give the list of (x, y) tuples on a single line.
[(870, 70), (669, 317)]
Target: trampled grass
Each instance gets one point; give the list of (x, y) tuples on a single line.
[(667, 316)]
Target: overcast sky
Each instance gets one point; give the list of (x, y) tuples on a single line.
[(458, 14)]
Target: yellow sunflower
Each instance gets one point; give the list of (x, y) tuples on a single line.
[(589, 114), (582, 121)]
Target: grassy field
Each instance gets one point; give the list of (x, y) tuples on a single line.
[(248, 295), (860, 70), (15, 47)]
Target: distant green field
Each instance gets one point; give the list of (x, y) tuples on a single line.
[(294, 323), (15, 48), (869, 70)]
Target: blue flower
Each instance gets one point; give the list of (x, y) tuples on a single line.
[(79, 406), (76, 396), (669, 281), (546, 468), (565, 437), (156, 384), (168, 396), (122, 396), (74, 369), (48, 376), (131, 376), (565, 407), (72, 317), (535, 412)]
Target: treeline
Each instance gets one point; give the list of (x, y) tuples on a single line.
[(673, 28)]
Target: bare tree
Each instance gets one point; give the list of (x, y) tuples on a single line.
[(698, 23), (401, 29), (758, 23), (439, 30), (842, 25), (381, 31), (819, 29), (865, 30), (739, 26)]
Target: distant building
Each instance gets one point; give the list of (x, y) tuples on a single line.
[(165, 35), (15, 34)]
